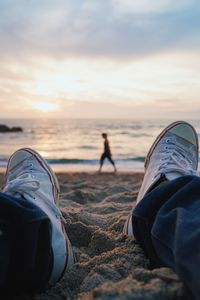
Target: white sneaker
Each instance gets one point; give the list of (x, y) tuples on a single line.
[(173, 154), (28, 175)]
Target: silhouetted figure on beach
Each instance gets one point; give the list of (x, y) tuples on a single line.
[(107, 153)]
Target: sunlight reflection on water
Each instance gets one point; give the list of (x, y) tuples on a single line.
[(81, 139)]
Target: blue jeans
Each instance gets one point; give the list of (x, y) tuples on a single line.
[(166, 223), (25, 245)]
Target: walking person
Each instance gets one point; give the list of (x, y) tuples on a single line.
[(107, 153)]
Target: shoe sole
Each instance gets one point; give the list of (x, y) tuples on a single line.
[(159, 137), (46, 167)]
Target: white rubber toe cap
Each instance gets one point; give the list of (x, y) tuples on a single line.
[(186, 132), (17, 158)]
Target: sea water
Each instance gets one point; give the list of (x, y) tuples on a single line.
[(76, 145)]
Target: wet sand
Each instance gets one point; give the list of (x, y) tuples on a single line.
[(109, 264)]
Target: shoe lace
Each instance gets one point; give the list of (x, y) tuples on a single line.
[(24, 185), (176, 159)]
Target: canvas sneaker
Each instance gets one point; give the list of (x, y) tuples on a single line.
[(29, 176), (174, 153)]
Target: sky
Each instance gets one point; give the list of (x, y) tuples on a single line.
[(100, 59)]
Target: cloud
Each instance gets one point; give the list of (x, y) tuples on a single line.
[(108, 58), (146, 6), (168, 108), (107, 28), (155, 85)]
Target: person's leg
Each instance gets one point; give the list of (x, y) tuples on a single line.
[(103, 156), (166, 224), (25, 245), (109, 157), (29, 179), (165, 219)]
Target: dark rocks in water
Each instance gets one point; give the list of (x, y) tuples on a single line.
[(5, 129), (16, 129)]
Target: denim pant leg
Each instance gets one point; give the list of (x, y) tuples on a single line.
[(25, 245), (166, 223)]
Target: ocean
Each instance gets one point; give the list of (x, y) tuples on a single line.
[(76, 145)]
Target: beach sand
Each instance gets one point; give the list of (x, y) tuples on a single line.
[(109, 264)]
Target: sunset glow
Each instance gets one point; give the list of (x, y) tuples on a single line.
[(60, 59), (45, 106)]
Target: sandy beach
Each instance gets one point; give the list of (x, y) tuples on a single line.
[(109, 264)]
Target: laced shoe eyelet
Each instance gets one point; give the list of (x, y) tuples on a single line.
[(167, 141), (31, 165), (163, 158)]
